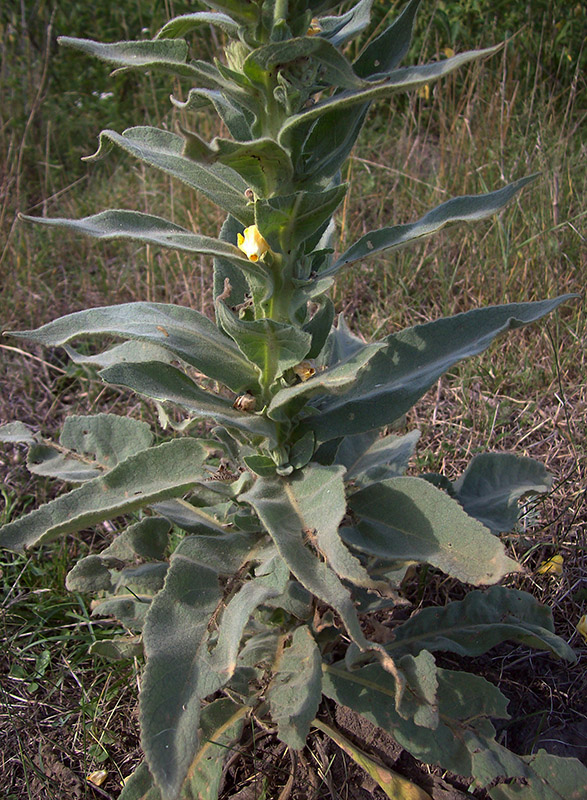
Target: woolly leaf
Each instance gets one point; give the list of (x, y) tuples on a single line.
[(408, 519), (145, 478)]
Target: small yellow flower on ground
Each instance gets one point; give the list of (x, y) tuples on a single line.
[(553, 566), (424, 92), (449, 52), (582, 627), (252, 243)]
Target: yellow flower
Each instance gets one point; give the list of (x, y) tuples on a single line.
[(449, 52), (314, 28), (553, 566), (424, 92), (252, 243), (305, 370), (582, 626)]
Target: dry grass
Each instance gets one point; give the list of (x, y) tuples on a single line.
[(527, 395)]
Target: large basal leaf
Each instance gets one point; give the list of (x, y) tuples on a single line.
[(177, 676), (17, 433), (369, 458), (493, 483), (398, 80), (188, 517), (183, 331), (408, 519), (468, 208), (463, 741), (549, 778), (277, 507), (412, 360), (165, 151), (181, 671), (318, 493), (472, 626), (296, 689), (166, 383), (134, 225), (89, 446), (158, 473)]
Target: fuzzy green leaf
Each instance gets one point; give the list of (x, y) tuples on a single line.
[(321, 147), (238, 120), (262, 163), (549, 778), (287, 221), (50, 462), (145, 478), (185, 332), (273, 346), (408, 519), (107, 438), (411, 362), (335, 380), (167, 55), (399, 80), (178, 27), (339, 30), (493, 483), (166, 383), (277, 506), (320, 326), (334, 69), (463, 741), (385, 457), (181, 671), (165, 151), (296, 689), (386, 51), (120, 353), (472, 626), (177, 676), (468, 208), (118, 648), (134, 225), (146, 539), (17, 433)]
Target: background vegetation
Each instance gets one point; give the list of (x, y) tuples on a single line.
[(61, 715)]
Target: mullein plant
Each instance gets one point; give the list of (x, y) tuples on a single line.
[(249, 555)]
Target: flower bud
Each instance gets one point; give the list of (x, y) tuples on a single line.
[(252, 243)]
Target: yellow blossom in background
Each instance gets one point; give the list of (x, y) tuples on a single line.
[(449, 52), (424, 92), (582, 627), (98, 777), (252, 243), (314, 27), (553, 566)]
